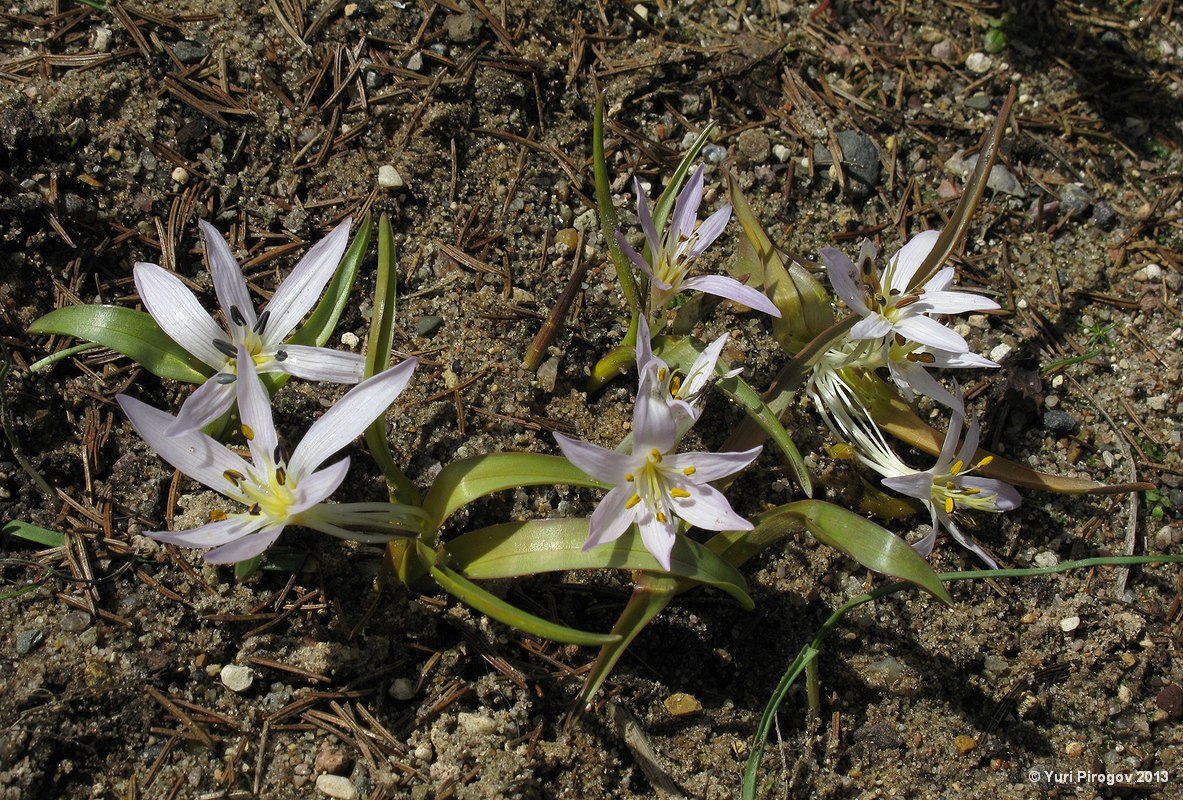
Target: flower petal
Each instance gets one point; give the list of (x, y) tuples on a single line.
[(702, 371), (212, 534), (610, 519), (651, 235), (710, 230), (947, 360), (598, 462), (966, 540), (911, 377), (192, 452), (319, 364), (1006, 496), (658, 538), (909, 258), (711, 466), (722, 286), (204, 404), (872, 327), (254, 408), (949, 445), (245, 548), (299, 291), (348, 417), (707, 508), (952, 303), (654, 426), (686, 207), (845, 278), (926, 331), (916, 484), (228, 281), (178, 313), (316, 488), (640, 262)]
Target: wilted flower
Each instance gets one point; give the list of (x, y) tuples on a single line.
[(182, 317), (890, 304), (278, 490), (673, 250), (652, 485)]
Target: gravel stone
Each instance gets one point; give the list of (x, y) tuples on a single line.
[(390, 178), (1060, 421), (427, 326), (336, 786), (75, 622), (237, 678)]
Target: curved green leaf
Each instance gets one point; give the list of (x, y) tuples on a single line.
[(872, 545), (323, 320), (513, 549), (463, 481), (133, 333), (493, 606)]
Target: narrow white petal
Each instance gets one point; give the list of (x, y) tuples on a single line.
[(909, 376), (702, 371), (640, 262), (973, 434), (923, 546), (178, 313), (941, 281), (925, 330), (710, 230), (710, 466), (319, 364), (228, 282), (651, 234), (245, 548), (949, 445), (845, 278), (204, 404), (317, 487), (254, 408), (946, 360), (1006, 496), (644, 347), (610, 519), (966, 540), (210, 535), (708, 509), (722, 286), (658, 538), (654, 426), (300, 290), (870, 327), (598, 462), (192, 452), (348, 417), (916, 484), (952, 303), (909, 259), (686, 206)]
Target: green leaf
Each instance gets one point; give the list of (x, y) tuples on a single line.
[(461, 482), (133, 333), (550, 545), (680, 355), (379, 345), (245, 569), (320, 325), (34, 533), (493, 606), (665, 203), (872, 545)]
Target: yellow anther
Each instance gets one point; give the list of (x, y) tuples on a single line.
[(632, 501), (679, 493), (254, 510), (247, 433), (655, 456), (217, 515), (675, 384), (985, 462), (950, 485), (661, 517), (958, 465), (233, 477), (281, 476), (948, 505), (661, 373), (689, 470), (630, 477), (971, 491)]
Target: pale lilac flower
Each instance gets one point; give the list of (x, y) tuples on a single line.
[(948, 488), (182, 317), (907, 362), (278, 490), (652, 486), (673, 250), (888, 303), (681, 393)]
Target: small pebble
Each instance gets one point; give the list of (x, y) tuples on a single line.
[(423, 751), (1059, 421), (999, 353), (26, 641), (332, 761), (75, 621), (180, 175), (978, 62), (1104, 217), (681, 704), (476, 724), (1170, 700), (402, 689), (567, 240), (336, 786), (1150, 272), (1069, 624), (236, 678), (389, 177), (755, 145), (1046, 558), (714, 154), (428, 325), (964, 743), (349, 339), (1073, 749), (944, 50), (1074, 199)]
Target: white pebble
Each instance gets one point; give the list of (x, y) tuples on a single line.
[(423, 751), (389, 177), (782, 153), (349, 339), (180, 175), (1000, 352), (402, 689), (475, 724), (337, 786), (237, 679), (1069, 624), (1046, 559), (978, 63)]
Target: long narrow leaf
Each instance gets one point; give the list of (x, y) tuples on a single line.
[(324, 318), (514, 549), (133, 333), (461, 482), (33, 533), (493, 606)]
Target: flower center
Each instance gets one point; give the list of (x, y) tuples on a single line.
[(948, 490)]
